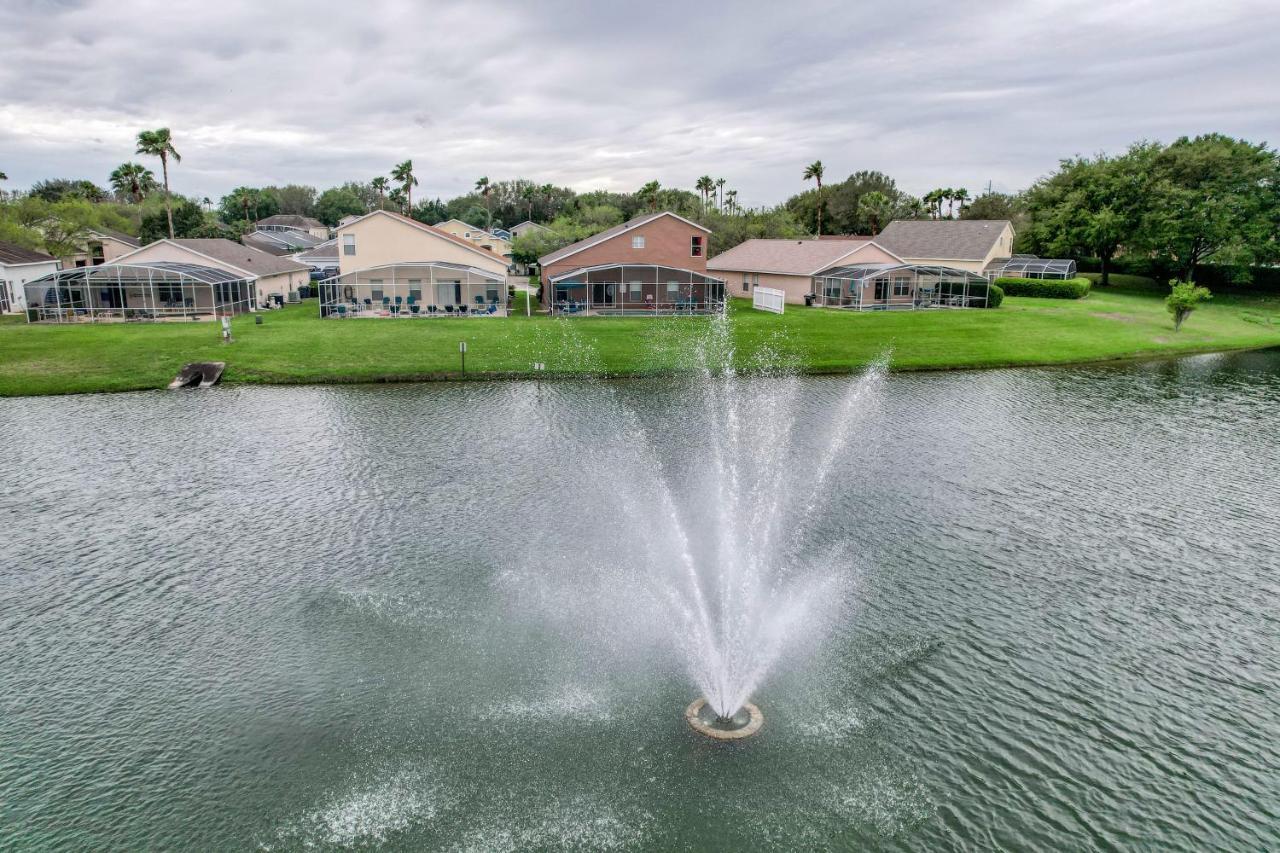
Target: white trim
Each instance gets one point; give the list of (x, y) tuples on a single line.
[(604, 236), (8, 264)]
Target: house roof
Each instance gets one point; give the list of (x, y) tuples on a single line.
[(11, 253), (280, 242), (595, 239), (291, 220), (127, 239), (327, 249), (466, 225), (245, 259), (530, 223), (431, 229), (788, 257), (948, 239)]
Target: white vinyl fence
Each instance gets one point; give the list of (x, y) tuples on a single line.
[(768, 299)]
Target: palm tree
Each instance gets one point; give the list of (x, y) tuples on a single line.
[(814, 172), (207, 203), (380, 184), (159, 143), (720, 182), (706, 185), (949, 196), (396, 197), (529, 193), (484, 188), (548, 192), (132, 179), (876, 207), (649, 192), (732, 197), (962, 196), (403, 174)]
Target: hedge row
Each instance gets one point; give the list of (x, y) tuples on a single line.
[(1216, 278), (995, 295), (1045, 288)]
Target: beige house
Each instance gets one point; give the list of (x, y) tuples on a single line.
[(963, 244), (479, 236), (391, 265), (790, 265), (526, 227), (269, 275), (102, 245)]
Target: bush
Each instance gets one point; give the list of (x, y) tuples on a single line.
[(1045, 288), (995, 295)]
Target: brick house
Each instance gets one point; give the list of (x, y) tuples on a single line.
[(653, 264)]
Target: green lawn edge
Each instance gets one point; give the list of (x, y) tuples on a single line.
[(295, 346)]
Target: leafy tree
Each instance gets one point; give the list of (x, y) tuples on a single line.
[(1212, 197), (995, 205), (294, 199), (814, 172), (58, 189), (649, 193), (877, 208), (159, 143), (1183, 298), (430, 212), (186, 218), (133, 180), (403, 174), (338, 202), (247, 205)]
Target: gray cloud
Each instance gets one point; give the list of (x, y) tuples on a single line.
[(612, 95)]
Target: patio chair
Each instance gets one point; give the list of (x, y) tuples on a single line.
[(413, 309), (493, 308), (479, 299), (368, 303), (448, 309), (342, 312), (462, 310), (431, 309), (386, 303)]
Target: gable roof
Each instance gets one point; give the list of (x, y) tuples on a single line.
[(466, 225), (789, 257), (127, 239), (291, 220), (530, 223), (228, 253), (431, 229), (322, 251), (946, 239), (280, 242), (12, 253), (609, 233)]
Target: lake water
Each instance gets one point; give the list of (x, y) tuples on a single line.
[(285, 618)]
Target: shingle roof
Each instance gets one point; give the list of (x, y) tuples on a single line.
[(11, 253), (280, 242), (291, 220), (574, 248), (788, 257), (957, 240), (242, 257), (128, 239), (327, 249)]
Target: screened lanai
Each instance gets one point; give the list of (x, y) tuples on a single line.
[(880, 287), (138, 291), (620, 289), (1030, 266), (426, 289)]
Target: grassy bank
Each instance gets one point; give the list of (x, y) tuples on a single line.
[(295, 345)]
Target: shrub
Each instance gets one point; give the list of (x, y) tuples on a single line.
[(1183, 298), (1045, 288), (995, 295)]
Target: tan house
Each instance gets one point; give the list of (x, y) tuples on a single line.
[(102, 245), (526, 227), (964, 244), (482, 238), (294, 222), (653, 264), (391, 265), (790, 265), (270, 276)]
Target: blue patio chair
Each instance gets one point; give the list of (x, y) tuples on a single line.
[(342, 312), (479, 299), (493, 309)]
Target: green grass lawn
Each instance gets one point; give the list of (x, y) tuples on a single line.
[(295, 345)]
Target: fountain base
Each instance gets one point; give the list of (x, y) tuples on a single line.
[(746, 722)]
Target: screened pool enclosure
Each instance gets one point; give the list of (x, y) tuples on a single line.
[(1030, 266), (880, 287), (427, 289), (641, 289), (138, 291)]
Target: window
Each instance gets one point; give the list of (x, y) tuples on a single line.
[(695, 246), (901, 286), (636, 290), (348, 244), (637, 241), (746, 282), (673, 287)]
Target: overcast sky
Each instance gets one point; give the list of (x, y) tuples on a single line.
[(610, 95)]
